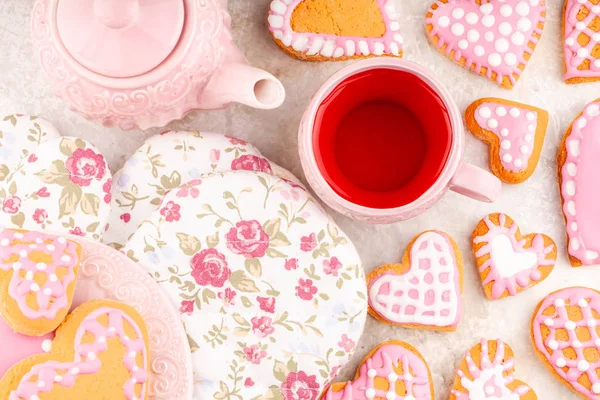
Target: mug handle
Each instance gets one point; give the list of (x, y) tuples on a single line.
[(476, 183)]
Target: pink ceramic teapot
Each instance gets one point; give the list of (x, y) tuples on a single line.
[(144, 63)]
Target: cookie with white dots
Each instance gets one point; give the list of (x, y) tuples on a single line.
[(393, 370), (580, 38), (495, 39), (101, 351), (515, 133)]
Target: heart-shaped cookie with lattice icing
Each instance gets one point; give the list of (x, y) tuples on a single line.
[(392, 370), (508, 261), (100, 352), (581, 35), (488, 372), (325, 30), (494, 38), (51, 183), (38, 273), (565, 330), (425, 290)]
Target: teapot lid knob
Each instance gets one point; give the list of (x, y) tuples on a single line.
[(120, 38)]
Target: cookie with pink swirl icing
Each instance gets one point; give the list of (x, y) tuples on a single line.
[(99, 352), (488, 372), (38, 273), (580, 41), (335, 30), (515, 133), (393, 370), (565, 330), (508, 261), (578, 166), (494, 38)]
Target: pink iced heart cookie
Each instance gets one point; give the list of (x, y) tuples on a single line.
[(425, 290), (515, 133), (393, 370), (566, 334), (508, 261), (578, 162), (324, 30), (581, 36), (495, 39)]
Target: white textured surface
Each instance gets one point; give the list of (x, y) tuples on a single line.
[(534, 204)]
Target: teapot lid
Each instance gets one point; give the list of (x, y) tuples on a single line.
[(120, 38)]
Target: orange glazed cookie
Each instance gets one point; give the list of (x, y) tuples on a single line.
[(393, 370), (488, 372), (495, 39), (326, 30), (38, 273), (515, 133), (509, 262), (425, 290), (100, 352)]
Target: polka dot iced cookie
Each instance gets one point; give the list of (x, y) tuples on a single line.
[(515, 133), (580, 41), (494, 39)]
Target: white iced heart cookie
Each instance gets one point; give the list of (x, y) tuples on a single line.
[(164, 163), (51, 183), (270, 291), (425, 290)]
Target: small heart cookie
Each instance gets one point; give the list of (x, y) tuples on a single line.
[(325, 30), (515, 133), (100, 352), (425, 290), (565, 329), (393, 370), (578, 164), (494, 38), (508, 261), (487, 372), (580, 40), (51, 183), (38, 273)]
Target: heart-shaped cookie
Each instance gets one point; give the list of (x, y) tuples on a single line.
[(565, 329), (488, 372), (509, 262), (38, 273), (515, 133), (51, 183), (324, 30), (578, 163), (100, 352), (580, 40), (494, 38), (425, 290), (393, 370)]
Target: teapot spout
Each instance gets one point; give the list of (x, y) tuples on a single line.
[(241, 83)]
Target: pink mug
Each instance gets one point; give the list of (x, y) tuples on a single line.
[(378, 207)]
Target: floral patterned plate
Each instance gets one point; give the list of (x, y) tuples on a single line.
[(271, 292), (49, 182), (162, 164)]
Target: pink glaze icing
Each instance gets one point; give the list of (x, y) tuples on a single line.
[(52, 296), (580, 186), (428, 293), (515, 128), (332, 46), (495, 35), (575, 54), (571, 370), (490, 379), (385, 363), (16, 347), (512, 268), (86, 357)]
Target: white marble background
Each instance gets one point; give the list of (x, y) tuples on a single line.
[(534, 204)]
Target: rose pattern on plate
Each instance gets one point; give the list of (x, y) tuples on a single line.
[(51, 183), (271, 293)]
